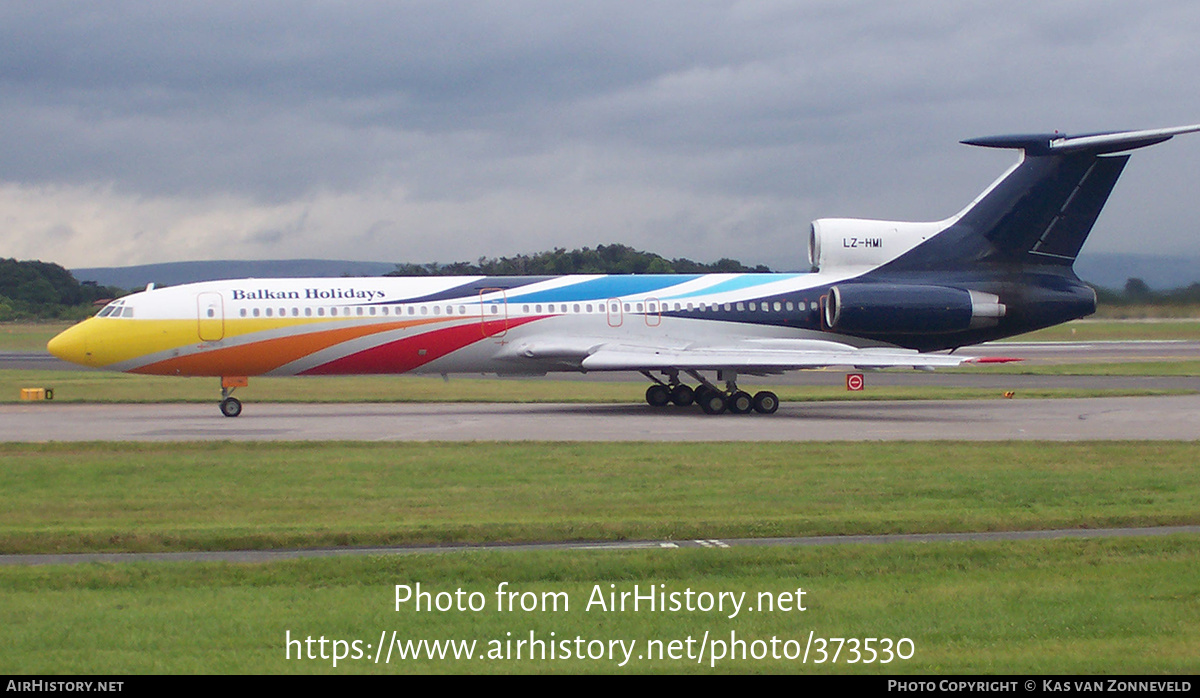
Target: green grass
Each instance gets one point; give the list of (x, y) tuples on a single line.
[(1114, 329), (105, 387), (29, 336), (1123, 606), (212, 496), (1148, 311), (1182, 367), (1041, 607)]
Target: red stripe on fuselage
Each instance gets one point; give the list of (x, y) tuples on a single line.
[(406, 354)]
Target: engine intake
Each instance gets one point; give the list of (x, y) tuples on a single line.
[(872, 309)]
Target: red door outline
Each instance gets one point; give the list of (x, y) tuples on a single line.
[(493, 314)]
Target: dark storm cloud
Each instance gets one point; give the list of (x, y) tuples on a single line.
[(777, 111)]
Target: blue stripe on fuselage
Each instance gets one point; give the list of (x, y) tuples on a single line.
[(604, 287)]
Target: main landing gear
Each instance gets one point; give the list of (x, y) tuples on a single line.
[(710, 398), (231, 406)]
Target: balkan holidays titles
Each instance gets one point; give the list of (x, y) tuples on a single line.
[(312, 294)]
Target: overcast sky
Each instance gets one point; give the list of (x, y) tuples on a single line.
[(137, 132)]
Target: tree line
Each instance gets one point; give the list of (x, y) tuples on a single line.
[(604, 259), (33, 290), (1138, 292)]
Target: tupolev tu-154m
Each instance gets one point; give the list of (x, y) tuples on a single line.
[(879, 294)]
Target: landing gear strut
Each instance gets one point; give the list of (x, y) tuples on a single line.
[(710, 398)]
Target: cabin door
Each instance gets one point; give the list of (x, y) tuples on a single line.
[(210, 317), (493, 312)]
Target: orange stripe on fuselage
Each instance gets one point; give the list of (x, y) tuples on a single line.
[(257, 358)]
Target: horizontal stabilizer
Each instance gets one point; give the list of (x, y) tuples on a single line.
[(1095, 143)]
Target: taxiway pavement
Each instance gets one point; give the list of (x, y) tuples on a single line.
[(1174, 417)]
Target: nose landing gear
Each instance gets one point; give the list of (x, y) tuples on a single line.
[(231, 406)]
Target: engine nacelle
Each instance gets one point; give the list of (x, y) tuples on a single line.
[(851, 243), (875, 309)]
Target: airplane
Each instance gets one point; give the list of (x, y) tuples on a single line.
[(879, 294)]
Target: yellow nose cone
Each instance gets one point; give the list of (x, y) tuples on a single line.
[(71, 345)]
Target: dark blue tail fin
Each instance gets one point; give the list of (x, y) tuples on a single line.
[(1041, 212)]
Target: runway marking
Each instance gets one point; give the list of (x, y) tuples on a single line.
[(259, 556)]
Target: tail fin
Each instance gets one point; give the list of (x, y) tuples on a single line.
[(1042, 210)]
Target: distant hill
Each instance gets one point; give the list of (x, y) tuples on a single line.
[(1101, 269), (1160, 272), (175, 273)]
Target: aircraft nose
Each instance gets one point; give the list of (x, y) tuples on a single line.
[(71, 345)]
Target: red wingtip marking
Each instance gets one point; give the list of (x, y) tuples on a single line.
[(994, 360)]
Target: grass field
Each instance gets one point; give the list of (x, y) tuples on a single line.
[(104, 387), (1061, 607), (1114, 329), (1055, 607), (204, 496), (1125, 606)]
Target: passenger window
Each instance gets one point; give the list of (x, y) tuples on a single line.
[(778, 306), (333, 312), (741, 307), (753, 306), (321, 312), (242, 312), (255, 312), (268, 313)]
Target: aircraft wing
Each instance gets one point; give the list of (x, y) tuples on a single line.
[(753, 356)]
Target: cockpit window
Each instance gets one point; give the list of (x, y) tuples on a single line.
[(116, 309)]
